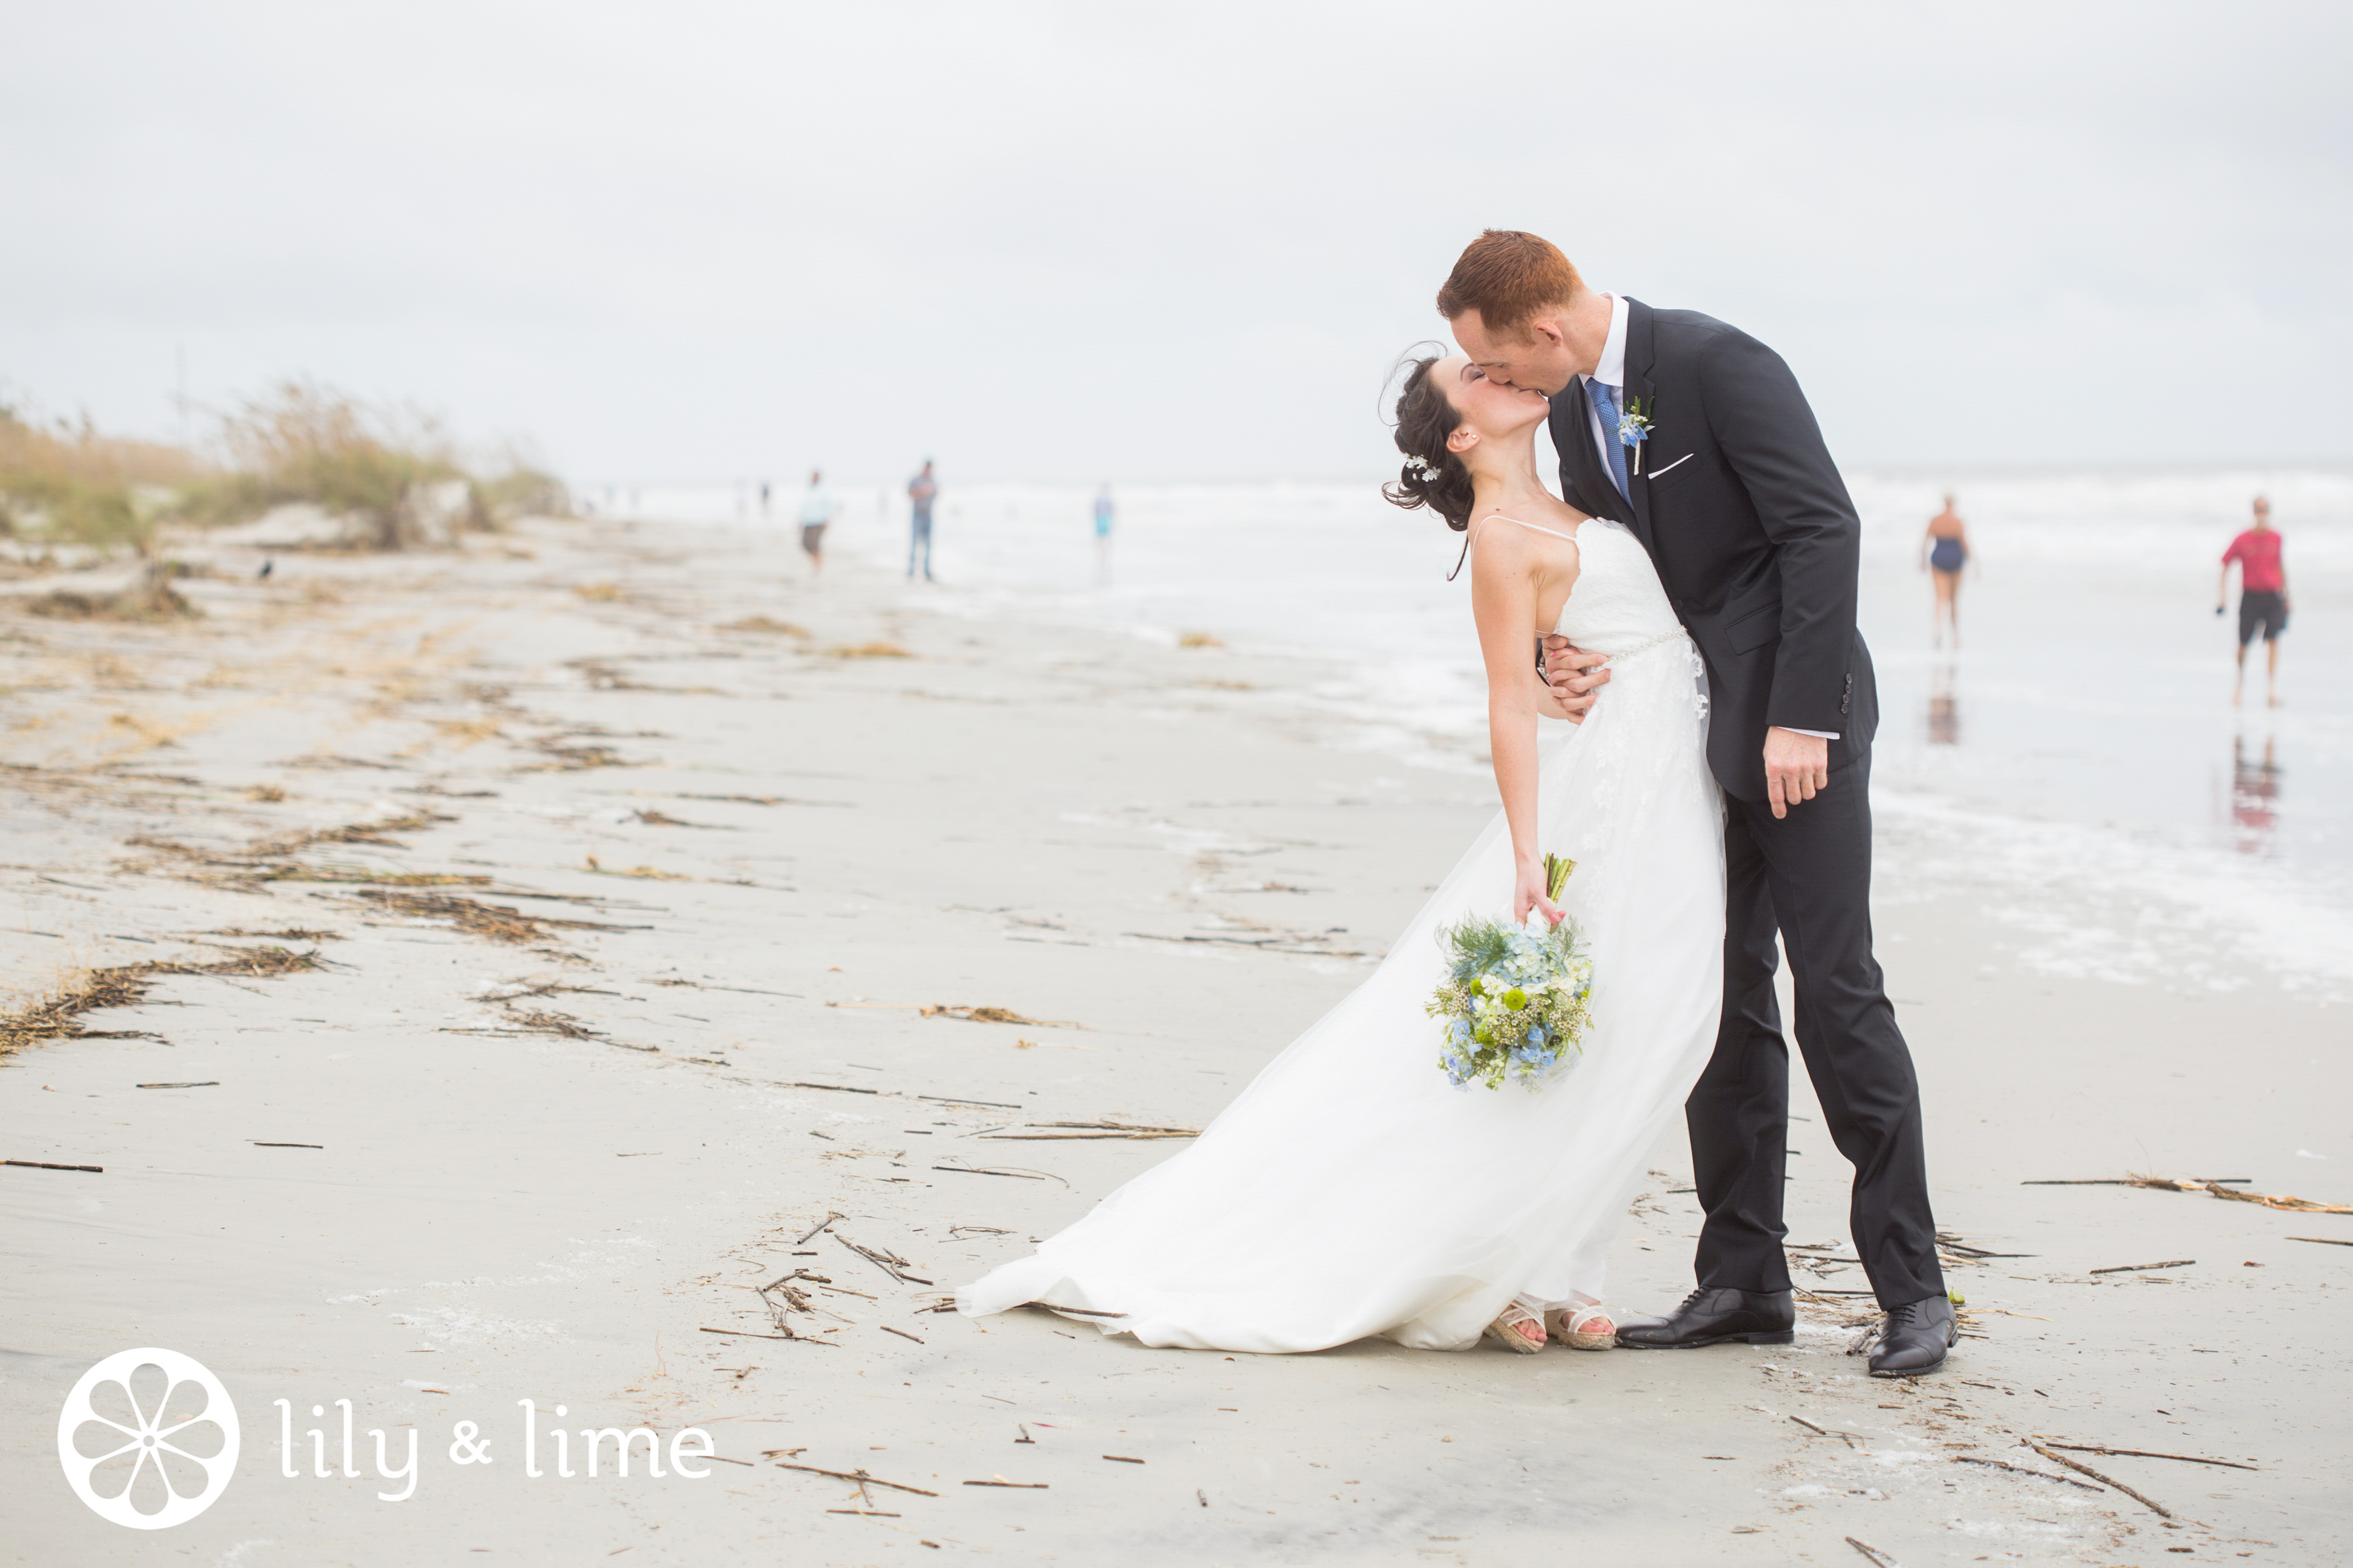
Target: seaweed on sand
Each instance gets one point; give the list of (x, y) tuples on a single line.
[(499, 922), (58, 1017)]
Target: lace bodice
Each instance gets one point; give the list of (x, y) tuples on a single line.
[(1617, 604)]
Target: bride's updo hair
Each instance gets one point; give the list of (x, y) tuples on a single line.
[(1424, 420)]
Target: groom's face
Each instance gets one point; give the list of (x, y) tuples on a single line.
[(1536, 357)]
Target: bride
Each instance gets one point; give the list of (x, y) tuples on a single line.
[(1350, 1191)]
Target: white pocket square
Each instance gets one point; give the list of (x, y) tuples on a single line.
[(1671, 468)]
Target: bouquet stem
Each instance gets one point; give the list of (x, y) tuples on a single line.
[(1556, 871)]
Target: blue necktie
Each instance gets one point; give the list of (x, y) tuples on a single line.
[(1605, 403)]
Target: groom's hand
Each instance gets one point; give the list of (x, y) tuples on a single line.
[(1575, 675), (1796, 766)]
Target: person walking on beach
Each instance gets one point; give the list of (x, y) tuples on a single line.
[(1944, 550), (2263, 598), (922, 491), (818, 509), (1103, 514)]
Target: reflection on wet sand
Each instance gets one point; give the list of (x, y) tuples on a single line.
[(2254, 795), (1944, 705)]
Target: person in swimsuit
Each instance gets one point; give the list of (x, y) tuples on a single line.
[(1944, 550), (2263, 596)]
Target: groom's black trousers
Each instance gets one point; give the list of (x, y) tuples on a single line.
[(1808, 874)]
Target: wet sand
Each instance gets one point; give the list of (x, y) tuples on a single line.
[(632, 903)]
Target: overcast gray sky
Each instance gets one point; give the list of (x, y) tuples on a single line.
[(691, 241)]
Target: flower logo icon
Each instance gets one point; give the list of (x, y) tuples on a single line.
[(148, 1438)]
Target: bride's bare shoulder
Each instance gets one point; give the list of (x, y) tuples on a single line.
[(1514, 537)]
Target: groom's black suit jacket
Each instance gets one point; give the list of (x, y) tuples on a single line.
[(1751, 530)]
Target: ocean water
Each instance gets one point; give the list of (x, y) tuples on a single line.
[(2076, 767)]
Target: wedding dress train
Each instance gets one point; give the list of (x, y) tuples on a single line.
[(1350, 1191)]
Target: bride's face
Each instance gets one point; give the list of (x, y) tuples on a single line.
[(1486, 408)]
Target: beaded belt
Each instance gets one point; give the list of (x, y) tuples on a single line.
[(1645, 647)]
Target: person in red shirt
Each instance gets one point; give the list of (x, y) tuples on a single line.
[(2263, 596)]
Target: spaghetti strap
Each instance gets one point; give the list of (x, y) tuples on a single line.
[(1471, 540), (1554, 531)]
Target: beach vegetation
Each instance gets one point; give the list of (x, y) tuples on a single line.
[(301, 441), (64, 482), (392, 476)]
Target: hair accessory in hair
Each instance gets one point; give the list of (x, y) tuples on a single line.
[(1422, 466)]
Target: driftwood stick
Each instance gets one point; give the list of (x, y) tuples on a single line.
[(1074, 1137), (46, 1165), (880, 1261), (2149, 1454), (1872, 1553), (1846, 1438), (2022, 1470), (2156, 1508), (829, 1219), (856, 1478), (959, 1169), (2142, 1268), (2324, 1240)]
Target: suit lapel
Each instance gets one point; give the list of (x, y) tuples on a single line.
[(1641, 353)]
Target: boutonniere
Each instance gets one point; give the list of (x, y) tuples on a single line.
[(1634, 428)]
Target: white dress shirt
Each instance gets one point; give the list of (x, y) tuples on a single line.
[(1609, 370)]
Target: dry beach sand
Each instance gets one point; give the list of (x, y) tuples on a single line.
[(561, 932)]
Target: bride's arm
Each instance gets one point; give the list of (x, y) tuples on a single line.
[(1504, 602)]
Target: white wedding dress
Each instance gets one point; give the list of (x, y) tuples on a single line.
[(1350, 1190)]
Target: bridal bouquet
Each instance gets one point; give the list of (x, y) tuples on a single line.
[(1514, 1001)]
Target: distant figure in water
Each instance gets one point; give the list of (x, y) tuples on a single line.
[(818, 509), (763, 499), (1944, 705), (1944, 550), (921, 490), (1104, 511), (2262, 597), (2255, 794)]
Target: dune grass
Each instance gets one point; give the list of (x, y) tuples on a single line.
[(299, 440), (68, 483)]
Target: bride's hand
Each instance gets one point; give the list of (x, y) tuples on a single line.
[(1575, 675), (1529, 893)]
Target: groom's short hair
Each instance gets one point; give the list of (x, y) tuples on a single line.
[(1509, 277)]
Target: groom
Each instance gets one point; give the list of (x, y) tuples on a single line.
[(1695, 437)]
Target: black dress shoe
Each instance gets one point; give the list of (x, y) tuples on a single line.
[(1915, 1339), (1712, 1316)]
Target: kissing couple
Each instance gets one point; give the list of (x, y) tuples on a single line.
[(1693, 592)]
